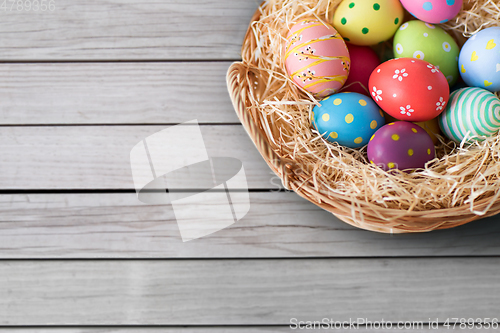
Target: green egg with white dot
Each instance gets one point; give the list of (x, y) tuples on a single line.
[(424, 41), (349, 119)]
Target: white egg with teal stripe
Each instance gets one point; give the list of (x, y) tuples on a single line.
[(471, 112), (350, 119)]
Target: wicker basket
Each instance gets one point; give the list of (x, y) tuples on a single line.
[(246, 82)]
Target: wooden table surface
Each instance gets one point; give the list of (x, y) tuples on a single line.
[(79, 87)]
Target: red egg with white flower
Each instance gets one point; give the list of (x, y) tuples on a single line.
[(410, 89)]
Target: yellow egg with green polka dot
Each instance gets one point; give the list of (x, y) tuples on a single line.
[(368, 22), (424, 41), (349, 119)]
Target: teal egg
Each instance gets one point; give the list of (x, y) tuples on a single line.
[(471, 112), (350, 119)]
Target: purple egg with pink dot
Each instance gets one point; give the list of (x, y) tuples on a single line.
[(401, 145)]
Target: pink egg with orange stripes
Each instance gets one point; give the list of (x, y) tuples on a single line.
[(316, 57)]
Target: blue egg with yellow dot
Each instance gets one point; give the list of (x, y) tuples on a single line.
[(350, 119)]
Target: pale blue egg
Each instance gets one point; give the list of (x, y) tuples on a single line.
[(479, 62), (349, 119)]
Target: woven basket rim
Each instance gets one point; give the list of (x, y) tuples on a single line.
[(388, 221)]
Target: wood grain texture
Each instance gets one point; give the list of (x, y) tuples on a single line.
[(235, 281), (115, 93), (235, 292), (127, 30), (279, 225), (98, 157), (222, 329)]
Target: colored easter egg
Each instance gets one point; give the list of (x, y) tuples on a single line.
[(433, 11), (401, 145), (349, 119), (368, 22), (424, 41), (430, 126), (409, 89), (363, 61), (472, 112), (316, 57), (480, 60)]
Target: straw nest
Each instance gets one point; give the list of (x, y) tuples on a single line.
[(460, 185)]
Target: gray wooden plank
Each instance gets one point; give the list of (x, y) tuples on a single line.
[(114, 93), (127, 30), (235, 292), (279, 225), (98, 157), (223, 329)]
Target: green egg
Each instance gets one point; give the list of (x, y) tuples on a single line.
[(424, 41)]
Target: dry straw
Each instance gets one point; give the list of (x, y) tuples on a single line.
[(461, 185)]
